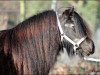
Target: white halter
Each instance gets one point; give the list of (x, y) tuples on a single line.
[(75, 44)]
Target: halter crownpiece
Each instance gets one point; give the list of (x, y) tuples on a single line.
[(75, 44)]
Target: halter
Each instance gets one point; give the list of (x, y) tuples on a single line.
[(75, 44)]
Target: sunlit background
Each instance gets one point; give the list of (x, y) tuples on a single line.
[(14, 12)]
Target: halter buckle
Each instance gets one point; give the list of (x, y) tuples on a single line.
[(76, 46)]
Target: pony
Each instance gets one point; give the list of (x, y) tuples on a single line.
[(32, 47), (76, 28), (76, 40)]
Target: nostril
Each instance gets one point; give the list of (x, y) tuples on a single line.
[(93, 49), (92, 52)]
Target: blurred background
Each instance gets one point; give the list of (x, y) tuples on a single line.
[(13, 12)]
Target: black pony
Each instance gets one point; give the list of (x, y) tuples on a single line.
[(31, 48)]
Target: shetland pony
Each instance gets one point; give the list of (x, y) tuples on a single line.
[(74, 28), (31, 48)]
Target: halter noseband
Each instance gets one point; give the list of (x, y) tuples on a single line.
[(75, 44)]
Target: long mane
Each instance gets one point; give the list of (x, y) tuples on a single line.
[(31, 47)]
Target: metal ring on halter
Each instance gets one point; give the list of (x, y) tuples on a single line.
[(76, 46)]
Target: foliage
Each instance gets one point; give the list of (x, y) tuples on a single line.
[(33, 7), (87, 10), (82, 68)]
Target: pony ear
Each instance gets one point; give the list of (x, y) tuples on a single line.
[(71, 11), (68, 12)]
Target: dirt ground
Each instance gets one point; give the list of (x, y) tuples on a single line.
[(82, 68)]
